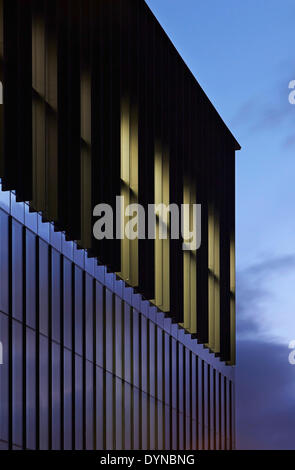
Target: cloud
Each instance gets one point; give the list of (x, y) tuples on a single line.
[(245, 113), (265, 396), (272, 117), (268, 111), (265, 378), (253, 292), (268, 266)]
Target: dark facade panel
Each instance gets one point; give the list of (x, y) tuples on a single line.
[(176, 111), (99, 104), (146, 129), (17, 73), (73, 73)]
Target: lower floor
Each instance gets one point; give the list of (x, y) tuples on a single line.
[(87, 363)]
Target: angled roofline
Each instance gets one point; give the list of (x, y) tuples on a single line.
[(237, 146)]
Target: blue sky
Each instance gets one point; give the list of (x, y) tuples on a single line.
[(242, 53)]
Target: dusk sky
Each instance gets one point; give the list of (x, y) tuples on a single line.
[(243, 55)]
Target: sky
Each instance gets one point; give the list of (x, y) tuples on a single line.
[(243, 55)]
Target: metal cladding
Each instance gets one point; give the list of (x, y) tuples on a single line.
[(98, 103)]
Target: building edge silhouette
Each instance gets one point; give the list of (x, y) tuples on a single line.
[(111, 344)]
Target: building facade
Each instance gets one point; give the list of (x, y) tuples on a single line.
[(113, 343)]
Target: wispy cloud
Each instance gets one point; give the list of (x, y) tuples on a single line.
[(254, 292), (269, 111), (266, 398), (265, 379), (268, 266)]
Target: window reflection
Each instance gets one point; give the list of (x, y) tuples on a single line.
[(4, 380), (17, 270), (4, 262), (30, 389), (30, 279), (56, 398), (43, 287), (68, 425), (43, 393), (17, 383), (67, 298), (55, 295)]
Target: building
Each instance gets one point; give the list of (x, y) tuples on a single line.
[(110, 344)]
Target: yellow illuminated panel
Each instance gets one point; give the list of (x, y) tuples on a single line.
[(193, 269), (217, 283), (189, 262), (129, 187), (162, 243), (232, 299), (213, 279), (186, 262), (134, 188)]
